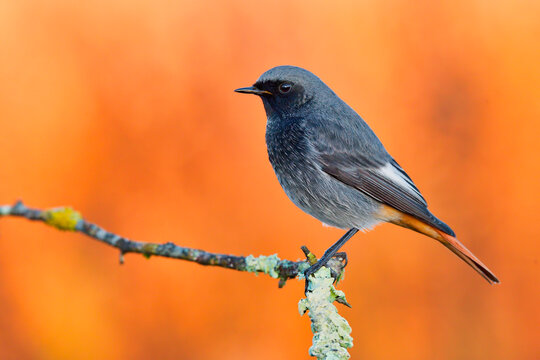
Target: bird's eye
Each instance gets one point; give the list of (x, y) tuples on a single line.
[(285, 87)]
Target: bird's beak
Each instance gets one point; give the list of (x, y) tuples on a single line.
[(253, 90)]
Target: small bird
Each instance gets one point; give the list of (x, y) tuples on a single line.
[(333, 167)]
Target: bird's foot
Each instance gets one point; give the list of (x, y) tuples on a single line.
[(339, 261)]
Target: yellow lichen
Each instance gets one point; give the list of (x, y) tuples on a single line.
[(63, 218), (149, 250)]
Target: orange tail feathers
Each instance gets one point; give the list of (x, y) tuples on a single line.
[(449, 241), (457, 248)]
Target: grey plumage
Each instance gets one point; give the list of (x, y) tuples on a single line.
[(328, 160), (332, 165)]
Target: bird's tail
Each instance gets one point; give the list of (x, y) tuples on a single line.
[(457, 248), (447, 240)]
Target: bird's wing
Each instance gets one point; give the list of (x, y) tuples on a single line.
[(384, 183), (371, 170)]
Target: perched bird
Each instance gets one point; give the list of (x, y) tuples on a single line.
[(332, 165)]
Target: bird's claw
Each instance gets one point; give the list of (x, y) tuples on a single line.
[(342, 257)]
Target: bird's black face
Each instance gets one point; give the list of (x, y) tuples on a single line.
[(280, 96)]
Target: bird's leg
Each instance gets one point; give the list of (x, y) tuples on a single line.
[(332, 250), (328, 254)]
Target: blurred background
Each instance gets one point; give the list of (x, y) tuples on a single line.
[(125, 110)]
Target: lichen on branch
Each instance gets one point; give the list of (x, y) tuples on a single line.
[(331, 332)]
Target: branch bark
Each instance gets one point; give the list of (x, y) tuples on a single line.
[(331, 332)]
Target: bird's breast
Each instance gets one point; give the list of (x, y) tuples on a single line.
[(290, 156), (286, 142), (298, 171)]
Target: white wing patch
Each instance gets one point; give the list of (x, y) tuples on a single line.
[(400, 178)]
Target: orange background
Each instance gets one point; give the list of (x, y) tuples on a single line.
[(125, 110)]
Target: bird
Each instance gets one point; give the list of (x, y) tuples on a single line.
[(332, 166)]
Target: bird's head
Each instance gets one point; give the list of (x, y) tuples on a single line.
[(285, 90)]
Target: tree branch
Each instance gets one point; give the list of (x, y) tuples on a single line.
[(331, 331)]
